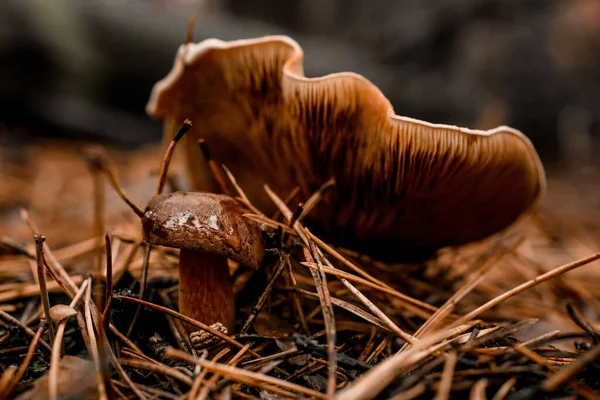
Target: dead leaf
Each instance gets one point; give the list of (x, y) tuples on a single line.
[(76, 381)]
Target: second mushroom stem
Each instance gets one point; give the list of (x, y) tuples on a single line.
[(205, 289)]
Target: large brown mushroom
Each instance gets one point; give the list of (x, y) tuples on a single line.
[(404, 187), (209, 229)]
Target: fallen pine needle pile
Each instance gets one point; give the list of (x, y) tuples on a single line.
[(88, 310)]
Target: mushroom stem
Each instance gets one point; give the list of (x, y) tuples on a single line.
[(205, 289)]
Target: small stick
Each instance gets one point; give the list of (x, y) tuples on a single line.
[(6, 378), (95, 168), (54, 276), (478, 389), (567, 373), (379, 349), (16, 246), (347, 263), (211, 383), (134, 354), (505, 389), (78, 249), (29, 310), (486, 262), (177, 329), (144, 277), (411, 393), (188, 320), (287, 213), (244, 376), (291, 195), (524, 286), (348, 307), (10, 350), (33, 289), (316, 197), (311, 367), (320, 280), (418, 306), (445, 385), (138, 387), (57, 346), (576, 385), (30, 352), (28, 331), (193, 393), (580, 320), (270, 223), (263, 297), (189, 32), (4, 337), (143, 283), (240, 191), (105, 165), (156, 367), (294, 295), (292, 221), (53, 264), (164, 167), (95, 351), (283, 354), (296, 215), (113, 385), (376, 379), (120, 370), (124, 338), (122, 267), (214, 167), (41, 272), (109, 283), (369, 304), (368, 347)]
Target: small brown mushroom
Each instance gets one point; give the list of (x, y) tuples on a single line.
[(404, 187), (208, 229), (60, 312)]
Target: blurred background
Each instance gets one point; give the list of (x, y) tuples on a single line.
[(83, 70)]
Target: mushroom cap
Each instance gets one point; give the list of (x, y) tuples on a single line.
[(207, 222), (404, 187), (61, 312)]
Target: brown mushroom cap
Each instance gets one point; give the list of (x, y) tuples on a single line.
[(61, 312), (404, 187), (208, 222)]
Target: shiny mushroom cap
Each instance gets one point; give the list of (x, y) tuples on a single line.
[(404, 187), (207, 222)]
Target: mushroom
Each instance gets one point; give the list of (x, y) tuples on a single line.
[(208, 229), (404, 187), (61, 312)]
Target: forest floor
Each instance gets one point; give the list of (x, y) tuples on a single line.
[(452, 327)]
